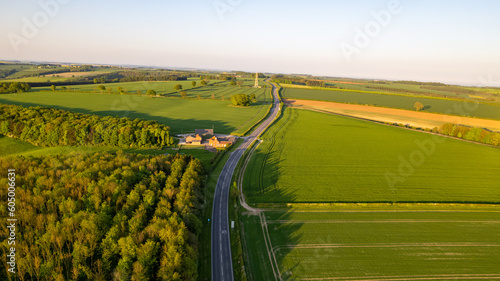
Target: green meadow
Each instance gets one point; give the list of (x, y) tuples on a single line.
[(181, 115)]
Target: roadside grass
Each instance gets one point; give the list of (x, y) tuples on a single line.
[(181, 115), (318, 158), (442, 106)]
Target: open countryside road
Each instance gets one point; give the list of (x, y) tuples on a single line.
[(222, 265)]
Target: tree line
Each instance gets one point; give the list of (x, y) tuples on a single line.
[(421, 83), (469, 133), (410, 91), (297, 81), (14, 87), (54, 127), (105, 216), (134, 76), (223, 77)]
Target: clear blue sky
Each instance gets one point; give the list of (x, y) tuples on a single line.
[(449, 41)]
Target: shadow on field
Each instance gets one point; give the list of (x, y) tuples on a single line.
[(271, 236), (177, 126)]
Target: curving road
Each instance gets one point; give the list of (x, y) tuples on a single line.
[(222, 266)]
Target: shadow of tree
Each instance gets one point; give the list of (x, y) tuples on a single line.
[(267, 245), (177, 125)]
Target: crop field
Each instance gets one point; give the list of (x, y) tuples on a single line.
[(166, 88), (316, 157), (262, 94), (451, 91), (379, 244), (392, 115), (181, 115), (32, 71), (442, 106)]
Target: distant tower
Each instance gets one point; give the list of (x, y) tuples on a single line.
[(256, 80)]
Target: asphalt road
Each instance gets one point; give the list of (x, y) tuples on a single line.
[(222, 265)]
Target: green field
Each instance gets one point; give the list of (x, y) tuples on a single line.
[(163, 87), (412, 88), (29, 73), (166, 88), (315, 157), (182, 115), (14, 147), (453, 107), (375, 245), (219, 92)]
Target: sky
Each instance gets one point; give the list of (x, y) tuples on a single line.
[(425, 40)]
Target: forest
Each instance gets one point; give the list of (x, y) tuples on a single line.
[(105, 216), (54, 127)]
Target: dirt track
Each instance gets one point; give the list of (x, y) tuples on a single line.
[(391, 115)]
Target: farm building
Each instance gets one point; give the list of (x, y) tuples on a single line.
[(221, 142), (194, 140)]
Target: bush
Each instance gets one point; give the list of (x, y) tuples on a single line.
[(241, 100)]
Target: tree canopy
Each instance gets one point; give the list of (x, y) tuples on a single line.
[(418, 106), (242, 99), (14, 87), (53, 127), (469, 133), (178, 87), (105, 216)]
